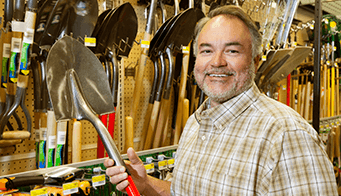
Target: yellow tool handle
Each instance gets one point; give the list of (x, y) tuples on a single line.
[(129, 133)]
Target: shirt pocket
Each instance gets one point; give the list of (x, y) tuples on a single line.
[(232, 179)]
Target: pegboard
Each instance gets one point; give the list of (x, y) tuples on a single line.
[(23, 158)]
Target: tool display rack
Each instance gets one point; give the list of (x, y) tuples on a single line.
[(23, 158), (108, 189)]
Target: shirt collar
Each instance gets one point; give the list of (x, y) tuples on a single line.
[(221, 115)]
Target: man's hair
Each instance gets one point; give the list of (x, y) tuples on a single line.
[(231, 10)]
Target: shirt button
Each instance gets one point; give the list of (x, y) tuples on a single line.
[(203, 138)]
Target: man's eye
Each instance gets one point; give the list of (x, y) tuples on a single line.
[(232, 51), (205, 51)]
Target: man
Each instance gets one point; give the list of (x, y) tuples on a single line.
[(239, 142)]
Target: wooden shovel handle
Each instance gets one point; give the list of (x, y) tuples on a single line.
[(77, 142), (6, 143), (129, 132), (13, 135), (152, 125)]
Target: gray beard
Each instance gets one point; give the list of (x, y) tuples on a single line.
[(226, 95)]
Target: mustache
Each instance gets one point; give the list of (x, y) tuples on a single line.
[(219, 71)]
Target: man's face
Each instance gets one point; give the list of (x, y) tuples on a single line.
[(224, 66)]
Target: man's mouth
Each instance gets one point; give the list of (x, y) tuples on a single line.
[(219, 75)]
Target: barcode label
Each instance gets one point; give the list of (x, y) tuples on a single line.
[(43, 133), (16, 43), (98, 180), (37, 133), (6, 50), (70, 188), (29, 36), (70, 191), (52, 141), (61, 135)]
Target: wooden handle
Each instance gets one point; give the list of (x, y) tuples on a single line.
[(77, 142), (138, 84), (2, 95), (13, 135), (6, 143), (152, 125), (337, 141), (6, 150), (145, 126), (185, 112), (129, 135), (163, 116)]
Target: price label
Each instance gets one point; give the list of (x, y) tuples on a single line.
[(98, 180), (70, 188), (6, 50), (149, 168), (39, 192), (162, 165), (16, 44), (185, 50), (145, 44), (170, 163), (90, 41), (264, 58)]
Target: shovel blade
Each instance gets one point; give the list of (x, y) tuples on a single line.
[(66, 54)]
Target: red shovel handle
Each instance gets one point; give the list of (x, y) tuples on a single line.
[(131, 189)]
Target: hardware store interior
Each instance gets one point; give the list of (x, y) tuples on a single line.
[(57, 55)]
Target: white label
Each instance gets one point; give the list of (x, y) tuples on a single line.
[(70, 191), (43, 134), (29, 36), (37, 133), (61, 135), (18, 26), (98, 180), (16, 44), (52, 141), (6, 50), (145, 44)]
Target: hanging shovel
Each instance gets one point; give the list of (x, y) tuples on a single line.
[(81, 97)]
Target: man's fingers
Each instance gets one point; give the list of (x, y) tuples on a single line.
[(115, 170), (134, 159), (117, 179), (121, 186), (108, 163)]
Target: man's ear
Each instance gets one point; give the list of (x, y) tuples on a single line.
[(256, 61)]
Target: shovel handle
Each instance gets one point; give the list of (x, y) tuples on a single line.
[(12, 135), (131, 188)]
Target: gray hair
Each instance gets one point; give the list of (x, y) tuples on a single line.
[(231, 10)]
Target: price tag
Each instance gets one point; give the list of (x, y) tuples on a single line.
[(16, 44), (6, 50), (149, 168), (61, 137), (90, 41), (145, 44), (328, 62), (264, 58), (332, 24), (70, 188), (170, 163), (18, 26), (39, 192), (29, 36), (52, 141), (98, 180), (162, 165), (185, 50), (284, 87)]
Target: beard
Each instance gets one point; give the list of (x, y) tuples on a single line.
[(221, 97)]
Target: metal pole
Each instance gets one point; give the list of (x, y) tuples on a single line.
[(317, 65)]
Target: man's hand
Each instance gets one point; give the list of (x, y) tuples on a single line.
[(119, 176)]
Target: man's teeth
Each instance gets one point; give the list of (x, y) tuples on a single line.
[(218, 75)]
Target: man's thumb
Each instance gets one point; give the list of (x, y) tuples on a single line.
[(134, 159)]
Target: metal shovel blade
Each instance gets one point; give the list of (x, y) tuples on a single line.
[(299, 54), (66, 54)]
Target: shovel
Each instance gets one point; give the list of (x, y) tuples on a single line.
[(81, 97)]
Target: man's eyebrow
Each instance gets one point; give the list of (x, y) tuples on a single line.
[(227, 44)]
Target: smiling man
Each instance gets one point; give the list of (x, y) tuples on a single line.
[(238, 142)]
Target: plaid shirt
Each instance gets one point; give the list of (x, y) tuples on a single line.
[(251, 145)]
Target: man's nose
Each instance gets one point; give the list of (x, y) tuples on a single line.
[(218, 60)]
